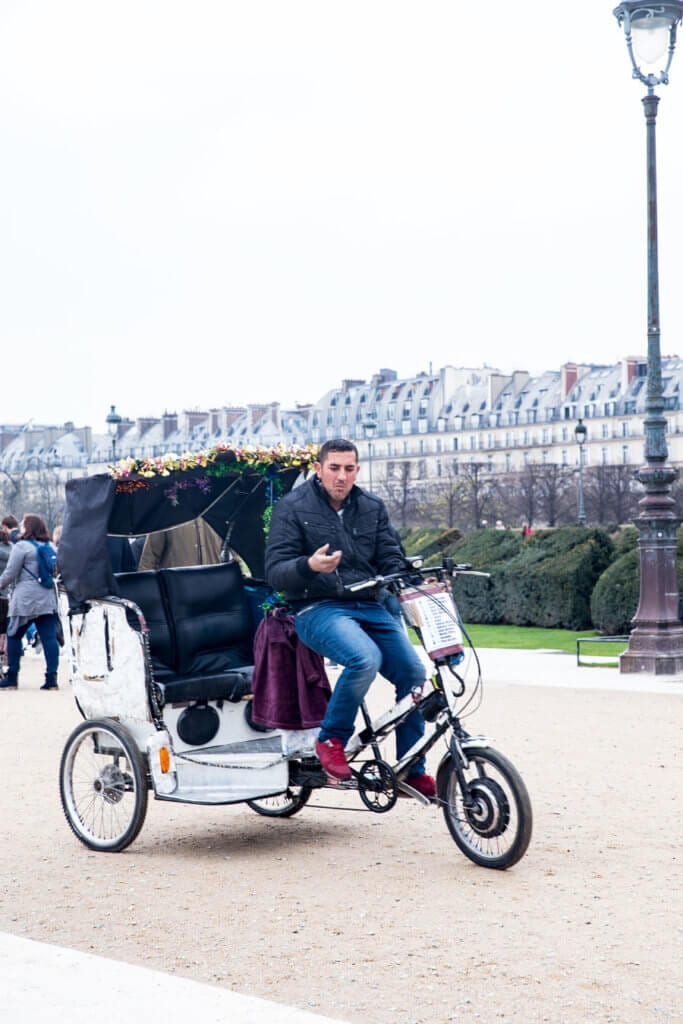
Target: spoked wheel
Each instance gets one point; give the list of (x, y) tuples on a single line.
[(491, 822), (282, 805), (103, 784)]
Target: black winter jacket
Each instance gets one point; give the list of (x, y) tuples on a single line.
[(304, 520)]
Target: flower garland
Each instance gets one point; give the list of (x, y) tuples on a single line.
[(254, 456)]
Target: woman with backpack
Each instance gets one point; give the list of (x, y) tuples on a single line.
[(31, 570)]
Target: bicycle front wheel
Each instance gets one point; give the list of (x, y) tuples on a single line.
[(491, 821)]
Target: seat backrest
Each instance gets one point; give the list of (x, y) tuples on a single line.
[(143, 588), (211, 615)]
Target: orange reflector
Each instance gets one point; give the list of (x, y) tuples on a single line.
[(164, 759)]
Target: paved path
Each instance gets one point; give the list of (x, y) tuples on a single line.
[(40, 982)]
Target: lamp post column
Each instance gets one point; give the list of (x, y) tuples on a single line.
[(656, 643), (580, 434), (369, 428), (113, 421)]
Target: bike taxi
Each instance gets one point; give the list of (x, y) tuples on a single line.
[(162, 662)]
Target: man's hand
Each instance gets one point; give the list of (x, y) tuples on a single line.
[(320, 561)]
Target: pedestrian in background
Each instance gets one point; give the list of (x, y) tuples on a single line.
[(11, 524), (5, 550), (30, 602)]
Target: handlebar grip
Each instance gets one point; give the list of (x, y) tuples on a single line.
[(364, 584)]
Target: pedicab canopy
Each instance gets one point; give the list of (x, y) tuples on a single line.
[(232, 489)]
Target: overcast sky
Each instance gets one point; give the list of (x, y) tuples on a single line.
[(214, 202)]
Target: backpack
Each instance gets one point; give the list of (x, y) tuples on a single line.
[(47, 560)]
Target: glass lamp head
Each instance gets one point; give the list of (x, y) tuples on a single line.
[(650, 31)]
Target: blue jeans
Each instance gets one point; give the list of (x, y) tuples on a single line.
[(47, 631), (367, 639)]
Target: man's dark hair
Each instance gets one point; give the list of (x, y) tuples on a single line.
[(339, 444)]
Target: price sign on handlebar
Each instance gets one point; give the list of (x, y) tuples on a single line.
[(430, 609)]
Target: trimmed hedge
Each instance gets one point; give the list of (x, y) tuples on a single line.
[(543, 580), (571, 577), (614, 600), (615, 596), (428, 542)]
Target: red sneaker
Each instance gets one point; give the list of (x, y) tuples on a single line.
[(331, 755), (424, 784)]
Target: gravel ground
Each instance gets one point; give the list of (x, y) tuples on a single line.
[(379, 917)]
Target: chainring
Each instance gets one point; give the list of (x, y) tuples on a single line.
[(377, 786)]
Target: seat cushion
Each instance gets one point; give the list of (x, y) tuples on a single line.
[(232, 686), (211, 618), (143, 588)]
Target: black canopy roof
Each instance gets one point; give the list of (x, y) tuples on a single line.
[(231, 489)]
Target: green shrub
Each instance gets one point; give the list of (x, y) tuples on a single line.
[(479, 599), (614, 600), (543, 580), (615, 596), (430, 542), (625, 539)]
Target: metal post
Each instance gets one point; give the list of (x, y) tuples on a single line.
[(582, 508), (656, 643), (369, 428)]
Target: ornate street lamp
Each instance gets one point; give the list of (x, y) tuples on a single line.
[(580, 435), (113, 422), (369, 428), (656, 643)]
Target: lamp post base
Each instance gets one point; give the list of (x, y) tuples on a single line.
[(654, 649), (656, 643)]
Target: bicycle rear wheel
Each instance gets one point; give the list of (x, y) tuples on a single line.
[(491, 821), (103, 785), (283, 805)]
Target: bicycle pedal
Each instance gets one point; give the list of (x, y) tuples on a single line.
[(340, 783), (405, 790)]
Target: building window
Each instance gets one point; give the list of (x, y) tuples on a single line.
[(455, 444), (603, 456), (605, 430), (564, 457), (624, 454), (625, 429), (508, 462)]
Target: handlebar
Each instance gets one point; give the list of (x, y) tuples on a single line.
[(408, 576)]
